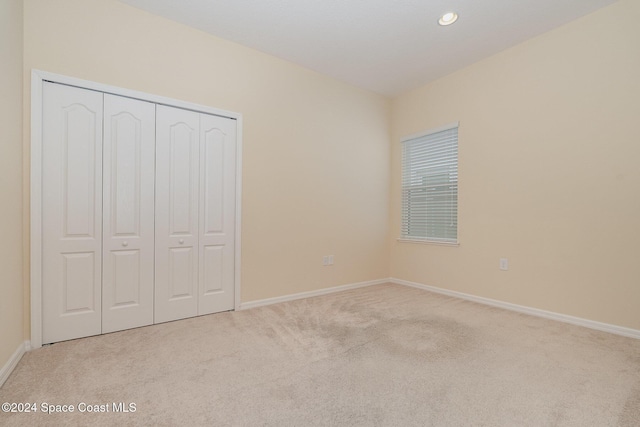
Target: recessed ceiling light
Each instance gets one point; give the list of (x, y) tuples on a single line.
[(448, 18)]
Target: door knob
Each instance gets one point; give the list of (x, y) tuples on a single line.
[(125, 243), (181, 241)]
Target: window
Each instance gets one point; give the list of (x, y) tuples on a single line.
[(430, 186)]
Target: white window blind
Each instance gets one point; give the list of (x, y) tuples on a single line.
[(430, 186)]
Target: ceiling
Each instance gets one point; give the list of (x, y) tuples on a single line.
[(386, 46)]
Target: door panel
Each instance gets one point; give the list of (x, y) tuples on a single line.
[(128, 233), (212, 268), (181, 273), (79, 187), (217, 214), (177, 171), (77, 270), (213, 179), (126, 279), (182, 149), (71, 213)]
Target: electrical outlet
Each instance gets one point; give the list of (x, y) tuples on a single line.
[(327, 260), (330, 259), (504, 264)]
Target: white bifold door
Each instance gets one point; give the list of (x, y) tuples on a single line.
[(138, 213), (195, 212), (128, 213), (72, 213)]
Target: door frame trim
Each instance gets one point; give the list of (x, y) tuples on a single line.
[(38, 78)]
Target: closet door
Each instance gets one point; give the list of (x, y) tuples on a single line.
[(177, 180), (128, 213), (217, 213), (71, 213)]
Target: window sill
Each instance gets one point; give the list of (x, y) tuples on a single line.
[(428, 242)]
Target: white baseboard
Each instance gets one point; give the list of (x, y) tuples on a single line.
[(11, 364), (605, 327), (591, 324), (291, 297)]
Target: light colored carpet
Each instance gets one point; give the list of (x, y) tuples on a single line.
[(384, 355)]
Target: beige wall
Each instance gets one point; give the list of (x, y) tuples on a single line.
[(549, 152), (316, 154), (11, 298)]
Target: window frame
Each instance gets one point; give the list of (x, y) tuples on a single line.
[(429, 240)]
